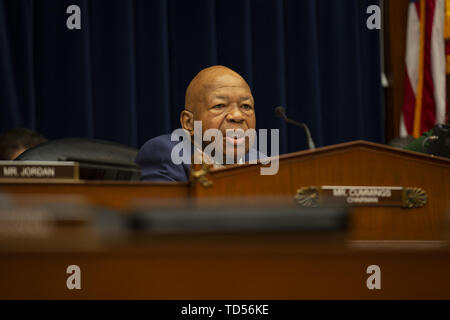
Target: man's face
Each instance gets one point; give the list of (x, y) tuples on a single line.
[(227, 103)]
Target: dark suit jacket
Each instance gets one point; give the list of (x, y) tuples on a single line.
[(156, 164)]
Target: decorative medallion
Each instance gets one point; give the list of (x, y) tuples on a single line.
[(414, 198), (307, 196)]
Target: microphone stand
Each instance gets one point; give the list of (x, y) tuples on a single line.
[(280, 112)]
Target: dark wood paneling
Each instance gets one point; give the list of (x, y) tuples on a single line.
[(395, 19)]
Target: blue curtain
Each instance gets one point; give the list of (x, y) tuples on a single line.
[(122, 77)]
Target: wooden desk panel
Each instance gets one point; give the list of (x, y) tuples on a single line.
[(352, 164)]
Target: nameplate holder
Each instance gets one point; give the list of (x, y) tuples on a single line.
[(362, 196), (38, 170)]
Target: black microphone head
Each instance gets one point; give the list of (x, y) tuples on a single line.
[(280, 112)]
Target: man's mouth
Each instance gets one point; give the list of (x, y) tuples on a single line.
[(236, 141), (236, 137)]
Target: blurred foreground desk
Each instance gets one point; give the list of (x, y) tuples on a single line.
[(111, 194), (264, 266)]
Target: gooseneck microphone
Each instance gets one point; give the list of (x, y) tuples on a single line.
[(280, 112)]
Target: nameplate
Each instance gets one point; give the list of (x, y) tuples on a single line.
[(31, 170), (362, 196)]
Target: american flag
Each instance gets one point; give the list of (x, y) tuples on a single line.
[(425, 81)]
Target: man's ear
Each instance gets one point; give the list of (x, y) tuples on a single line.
[(187, 121)]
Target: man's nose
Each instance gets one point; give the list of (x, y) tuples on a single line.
[(235, 114)]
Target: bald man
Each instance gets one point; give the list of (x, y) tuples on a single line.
[(220, 99)]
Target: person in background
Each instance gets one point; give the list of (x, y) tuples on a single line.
[(15, 141)]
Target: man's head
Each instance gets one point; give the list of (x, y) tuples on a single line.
[(16, 141), (221, 99)]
